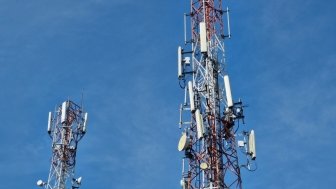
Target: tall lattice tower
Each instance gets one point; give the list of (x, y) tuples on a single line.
[(209, 117), (66, 127)]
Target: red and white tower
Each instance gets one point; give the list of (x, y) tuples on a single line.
[(209, 117), (66, 127)]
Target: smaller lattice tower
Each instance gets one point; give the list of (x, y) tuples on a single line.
[(66, 127)]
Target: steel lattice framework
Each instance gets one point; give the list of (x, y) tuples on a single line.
[(66, 127), (209, 136)]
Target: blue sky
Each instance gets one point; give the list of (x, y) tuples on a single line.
[(281, 61)]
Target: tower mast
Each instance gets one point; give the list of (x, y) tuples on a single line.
[(209, 117), (66, 127)]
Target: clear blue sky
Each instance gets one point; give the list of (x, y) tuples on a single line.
[(281, 61)]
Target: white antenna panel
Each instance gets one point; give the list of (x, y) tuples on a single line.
[(64, 111), (191, 96), (49, 122), (85, 122), (203, 38), (228, 21), (228, 91), (252, 147), (199, 124), (179, 62)]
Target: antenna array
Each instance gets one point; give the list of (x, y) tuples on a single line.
[(66, 127)]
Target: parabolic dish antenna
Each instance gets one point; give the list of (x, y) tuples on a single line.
[(183, 143), (39, 183), (204, 166)]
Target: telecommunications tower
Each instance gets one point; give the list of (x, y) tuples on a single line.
[(66, 127), (211, 140)]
